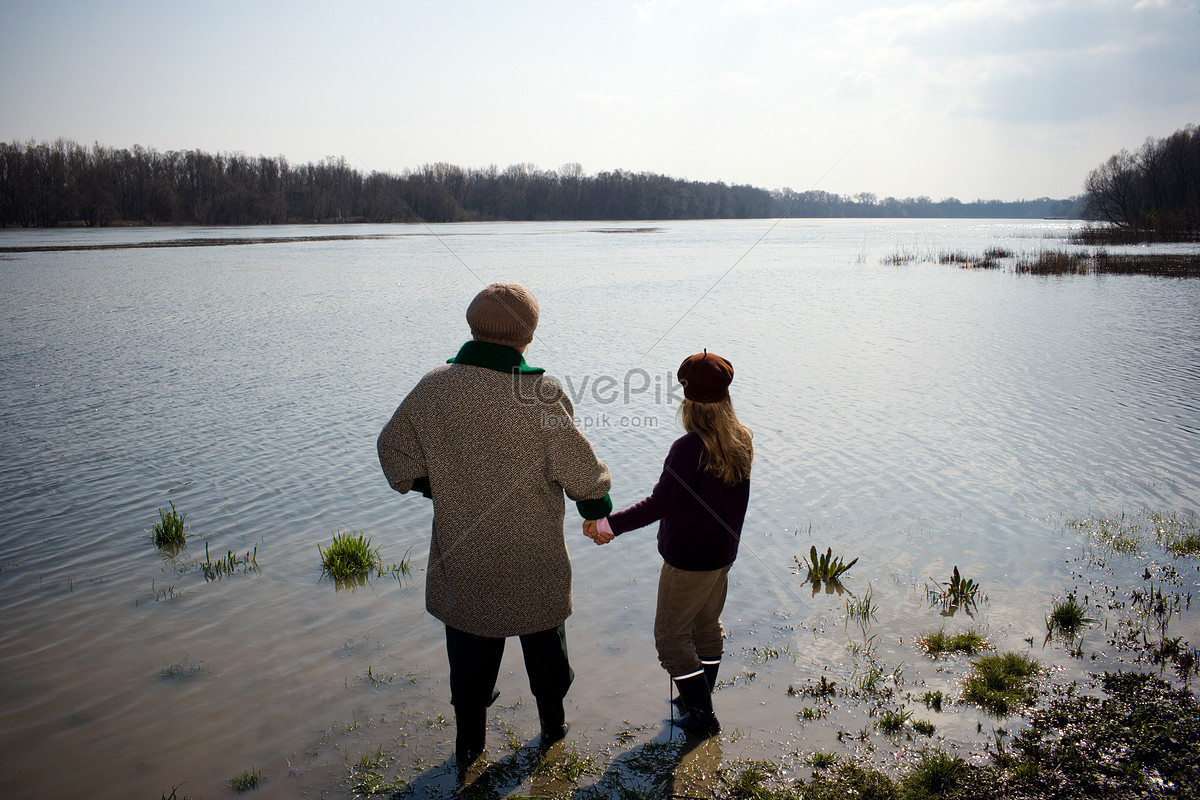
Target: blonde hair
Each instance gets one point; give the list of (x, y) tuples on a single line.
[(727, 444)]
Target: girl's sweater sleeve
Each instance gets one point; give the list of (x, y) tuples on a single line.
[(672, 490)]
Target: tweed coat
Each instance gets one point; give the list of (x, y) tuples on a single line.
[(493, 442)]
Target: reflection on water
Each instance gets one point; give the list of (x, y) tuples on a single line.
[(918, 418)]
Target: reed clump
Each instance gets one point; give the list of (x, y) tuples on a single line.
[(1123, 235), (991, 258), (1101, 262)]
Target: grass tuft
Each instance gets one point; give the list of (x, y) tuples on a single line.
[(924, 727), (168, 531), (934, 700), (862, 609), (1001, 683), (937, 774), (247, 781), (1067, 616), (892, 722), (350, 557), (938, 643)]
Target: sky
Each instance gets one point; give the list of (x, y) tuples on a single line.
[(972, 99)]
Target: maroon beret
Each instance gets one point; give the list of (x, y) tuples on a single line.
[(705, 377)]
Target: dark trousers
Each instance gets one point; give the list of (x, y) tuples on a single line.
[(475, 665)]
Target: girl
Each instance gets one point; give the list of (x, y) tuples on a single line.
[(700, 503)]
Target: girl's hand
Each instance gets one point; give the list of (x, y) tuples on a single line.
[(594, 533)]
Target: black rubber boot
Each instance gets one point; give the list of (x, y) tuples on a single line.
[(711, 668), (699, 719), (553, 717), (470, 734)]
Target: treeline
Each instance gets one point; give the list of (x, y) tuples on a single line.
[(49, 184), (1156, 189), (823, 204)]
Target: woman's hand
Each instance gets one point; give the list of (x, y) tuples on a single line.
[(598, 536)]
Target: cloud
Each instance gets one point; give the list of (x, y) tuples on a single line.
[(738, 80), (602, 99), (857, 86), (1018, 60), (647, 12)]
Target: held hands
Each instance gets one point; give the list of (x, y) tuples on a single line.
[(598, 536)]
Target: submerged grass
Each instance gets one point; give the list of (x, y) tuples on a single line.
[(1178, 535), (938, 643), (247, 781), (215, 570), (1128, 533), (182, 670), (1001, 683), (1067, 616), (1140, 738), (934, 699), (1117, 535), (168, 531), (892, 722), (1065, 262), (864, 608)]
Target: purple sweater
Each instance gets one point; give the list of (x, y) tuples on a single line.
[(700, 516)]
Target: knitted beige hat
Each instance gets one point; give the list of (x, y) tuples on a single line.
[(504, 313)]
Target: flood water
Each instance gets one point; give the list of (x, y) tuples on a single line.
[(917, 417)]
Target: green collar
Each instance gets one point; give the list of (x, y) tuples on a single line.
[(489, 355)]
